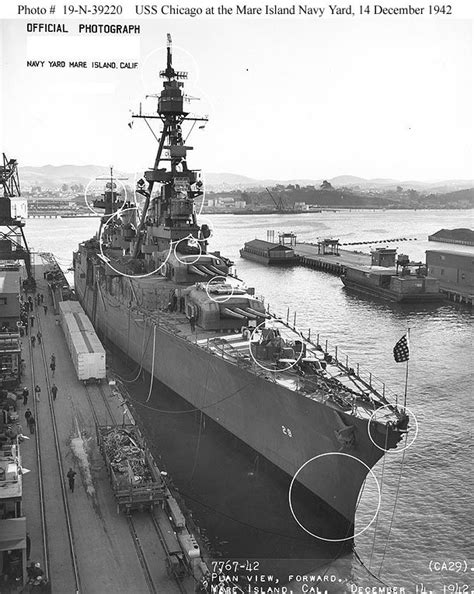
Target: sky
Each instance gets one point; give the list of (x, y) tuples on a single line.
[(286, 98)]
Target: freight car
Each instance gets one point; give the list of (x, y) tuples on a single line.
[(87, 352), (134, 476)]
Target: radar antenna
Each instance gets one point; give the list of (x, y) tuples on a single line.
[(170, 73)]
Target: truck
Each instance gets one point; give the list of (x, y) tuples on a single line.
[(134, 476)]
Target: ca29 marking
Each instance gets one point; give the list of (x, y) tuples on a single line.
[(286, 431), (455, 566)]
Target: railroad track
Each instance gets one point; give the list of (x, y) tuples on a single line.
[(44, 539), (40, 437), (137, 526)]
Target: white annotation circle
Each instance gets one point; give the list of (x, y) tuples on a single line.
[(279, 370), (407, 445), (322, 537), (120, 272), (222, 298)]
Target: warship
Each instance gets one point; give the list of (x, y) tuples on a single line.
[(153, 289)]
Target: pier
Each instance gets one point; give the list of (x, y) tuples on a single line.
[(329, 257), (79, 539)]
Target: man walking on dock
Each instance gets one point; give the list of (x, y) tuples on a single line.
[(32, 423), (54, 391), (28, 414), (26, 393), (45, 307), (71, 475), (32, 320), (37, 393), (33, 340), (39, 336)]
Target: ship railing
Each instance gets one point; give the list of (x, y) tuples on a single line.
[(220, 347), (373, 384)]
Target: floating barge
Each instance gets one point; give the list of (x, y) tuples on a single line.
[(457, 236), (396, 281), (269, 252)]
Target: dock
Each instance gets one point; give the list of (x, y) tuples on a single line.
[(329, 257), (77, 536)]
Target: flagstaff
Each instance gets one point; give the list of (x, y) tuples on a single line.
[(401, 353)]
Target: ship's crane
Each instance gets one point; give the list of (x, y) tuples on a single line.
[(13, 245)]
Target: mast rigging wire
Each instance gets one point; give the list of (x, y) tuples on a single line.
[(152, 364), (151, 130), (381, 489), (394, 505)]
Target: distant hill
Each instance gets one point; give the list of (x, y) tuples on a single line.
[(231, 179), (350, 197), (53, 176)]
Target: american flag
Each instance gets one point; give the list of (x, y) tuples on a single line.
[(401, 351)]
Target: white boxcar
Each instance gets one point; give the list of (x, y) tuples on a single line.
[(87, 352)]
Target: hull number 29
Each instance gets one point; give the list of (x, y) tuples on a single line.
[(286, 431)]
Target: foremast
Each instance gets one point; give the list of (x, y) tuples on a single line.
[(171, 212)]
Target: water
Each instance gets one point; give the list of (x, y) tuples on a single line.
[(431, 522)]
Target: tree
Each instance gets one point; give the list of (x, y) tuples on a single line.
[(326, 185)]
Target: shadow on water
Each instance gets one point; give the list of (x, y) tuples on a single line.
[(237, 498)]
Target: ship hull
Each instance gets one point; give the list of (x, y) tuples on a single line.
[(294, 432)]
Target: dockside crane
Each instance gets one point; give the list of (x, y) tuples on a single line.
[(280, 205), (13, 245)]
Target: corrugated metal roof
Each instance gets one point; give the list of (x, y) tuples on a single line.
[(266, 245), (462, 255), (461, 234)]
